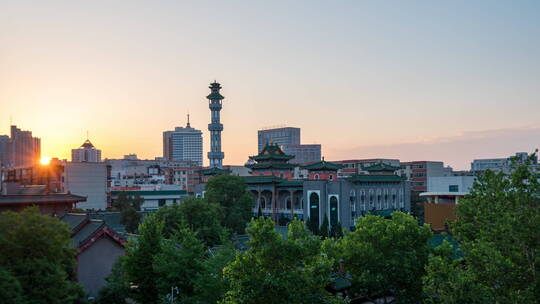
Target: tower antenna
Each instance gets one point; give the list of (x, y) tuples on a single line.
[(188, 124)]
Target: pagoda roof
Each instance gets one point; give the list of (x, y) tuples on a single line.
[(271, 152), (215, 171), (271, 165), (381, 167), (323, 166), (360, 178)]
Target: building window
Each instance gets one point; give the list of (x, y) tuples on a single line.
[(453, 188), (314, 208), (333, 211), (330, 177), (317, 176)]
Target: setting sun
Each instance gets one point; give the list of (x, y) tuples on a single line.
[(45, 160)]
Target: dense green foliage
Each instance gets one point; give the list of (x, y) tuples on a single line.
[(196, 214), (117, 289), (139, 260), (129, 208), (386, 256), (274, 270), (36, 259), (499, 233), (230, 192), (10, 289), (181, 257)]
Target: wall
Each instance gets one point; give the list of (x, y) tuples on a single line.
[(95, 263), (87, 179), (442, 183), (437, 215)]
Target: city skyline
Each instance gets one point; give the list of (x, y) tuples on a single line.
[(461, 85)]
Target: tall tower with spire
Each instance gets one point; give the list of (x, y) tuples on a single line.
[(215, 156)]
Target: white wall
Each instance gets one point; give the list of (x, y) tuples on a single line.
[(442, 183), (87, 179)]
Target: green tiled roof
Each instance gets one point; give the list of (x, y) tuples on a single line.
[(323, 166), (215, 96), (271, 165), (74, 220), (380, 167), (87, 231), (291, 183), (271, 152), (263, 179), (215, 171), (150, 193), (360, 178)]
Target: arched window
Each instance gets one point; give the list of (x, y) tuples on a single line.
[(288, 204), (317, 176), (314, 208), (331, 177), (263, 202), (333, 210)]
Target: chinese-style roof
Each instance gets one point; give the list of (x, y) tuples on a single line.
[(85, 231), (381, 167), (271, 165), (267, 179), (87, 145), (361, 178), (271, 152), (322, 166), (53, 198), (215, 171), (215, 87)]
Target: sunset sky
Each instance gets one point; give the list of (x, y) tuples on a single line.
[(414, 80)]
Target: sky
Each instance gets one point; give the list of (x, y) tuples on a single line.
[(414, 80)]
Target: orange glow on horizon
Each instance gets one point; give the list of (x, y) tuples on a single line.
[(45, 160)]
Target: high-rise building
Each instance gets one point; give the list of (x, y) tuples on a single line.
[(303, 153), (183, 144), (86, 153), (19, 150), (280, 136), (5, 155), (215, 156)]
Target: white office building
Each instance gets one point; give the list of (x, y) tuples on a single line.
[(86, 153), (183, 144)]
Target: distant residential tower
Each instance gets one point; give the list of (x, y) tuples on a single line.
[(215, 156)]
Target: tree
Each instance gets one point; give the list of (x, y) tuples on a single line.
[(117, 289), (129, 208), (386, 256), (139, 259), (312, 226), (336, 231), (180, 260), (210, 285), (497, 228), (274, 270), (324, 227), (197, 214), (448, 282), (230, 192), (35, 251), (10, 288)]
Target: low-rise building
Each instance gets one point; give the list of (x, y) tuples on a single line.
[(153, 196), (98, 248), (88, 179), (442, 197), (420, 172)]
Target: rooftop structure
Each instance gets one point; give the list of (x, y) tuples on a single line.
[(86, 153)]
